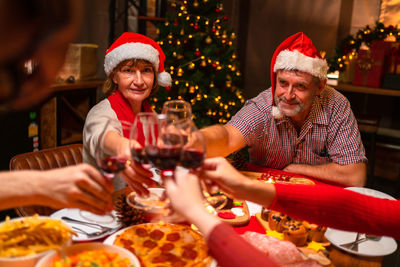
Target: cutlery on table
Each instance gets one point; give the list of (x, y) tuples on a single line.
[(95, 234), (352, 245), (93, 225)]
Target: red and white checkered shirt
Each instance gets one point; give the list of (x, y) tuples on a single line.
[(329, 134)]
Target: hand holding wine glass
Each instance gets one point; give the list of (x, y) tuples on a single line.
[(192, 158), (194, 148), (155, 141), (110, 159), (166, 153)]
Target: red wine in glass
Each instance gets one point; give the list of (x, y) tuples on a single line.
[(110, 161), (139, 155), (112, 165), (165, 158), (192, 158)]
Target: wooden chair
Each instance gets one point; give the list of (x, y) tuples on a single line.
[(45, 159)]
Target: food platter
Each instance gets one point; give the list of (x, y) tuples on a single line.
[(131, 234), (24, 240)]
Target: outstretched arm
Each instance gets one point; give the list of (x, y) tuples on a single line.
[(347, 175), (222, 140), (80, 186), (226, 246), (325, 205), (135, 175)]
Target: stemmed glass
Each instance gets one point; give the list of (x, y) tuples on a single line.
[(192, 158), (155, 141), (143, 133), (111, 162), (194, 148), (179, 108)]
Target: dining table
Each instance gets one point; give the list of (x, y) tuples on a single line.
[(338, 257)]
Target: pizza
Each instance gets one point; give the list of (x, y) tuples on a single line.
[(160, 244), (277, 176)]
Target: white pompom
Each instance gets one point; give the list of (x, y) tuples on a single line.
[(164, 79), (276, 112)]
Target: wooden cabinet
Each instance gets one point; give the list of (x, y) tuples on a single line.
[(63, 116), (377, 102)]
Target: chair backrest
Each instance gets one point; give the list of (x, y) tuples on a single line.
[(45, 159)]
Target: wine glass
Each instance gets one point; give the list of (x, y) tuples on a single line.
[(144, 132), (109, 161), (194, 147), (155, 141), (192, 158), (165, 154), (179, 108)]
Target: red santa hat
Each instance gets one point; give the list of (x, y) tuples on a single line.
[(296, 53), (134, 45)]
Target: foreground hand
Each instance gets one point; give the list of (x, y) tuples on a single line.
[(221, 172), (184, 192), (136, 176), (80, 186)]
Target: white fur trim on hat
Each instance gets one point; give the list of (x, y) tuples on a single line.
[(276, 112), (164, 79), (291, 60), (128, 51)]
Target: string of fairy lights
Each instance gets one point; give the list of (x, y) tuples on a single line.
[(349, 46), (200, 31)]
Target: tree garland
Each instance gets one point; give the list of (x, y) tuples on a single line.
[(351, 44)]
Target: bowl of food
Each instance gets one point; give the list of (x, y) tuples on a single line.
[(23, 241), (89, 254), (155, 206)]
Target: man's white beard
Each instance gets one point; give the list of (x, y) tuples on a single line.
[(291, 112)]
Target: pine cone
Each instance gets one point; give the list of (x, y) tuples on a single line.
[(126, 214)]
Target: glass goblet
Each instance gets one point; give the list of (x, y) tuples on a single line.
[(179, 108), (110, 161)]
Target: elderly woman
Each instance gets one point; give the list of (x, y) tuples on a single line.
[(134, 65)]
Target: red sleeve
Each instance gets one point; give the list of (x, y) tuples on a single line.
[(339, 208), (231, 250)]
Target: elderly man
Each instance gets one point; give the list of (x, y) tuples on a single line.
[(298, 125)]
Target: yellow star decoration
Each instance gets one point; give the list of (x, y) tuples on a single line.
[(275, 234), (315, 246)]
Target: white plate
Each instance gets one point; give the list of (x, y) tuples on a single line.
[(110, 241), (109, 220), (385, 246)]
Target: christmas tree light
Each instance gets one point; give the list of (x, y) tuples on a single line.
[(201, 58)]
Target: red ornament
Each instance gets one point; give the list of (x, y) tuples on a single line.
[(214, 65), (226, 215), (168, 88), (217, 10), (225, 17), (197, 53), (196, 27), (213, 29), (175, 23)]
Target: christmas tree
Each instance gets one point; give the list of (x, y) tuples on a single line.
[(198, 43)]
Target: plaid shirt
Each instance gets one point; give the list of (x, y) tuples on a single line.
[(329, 134)]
